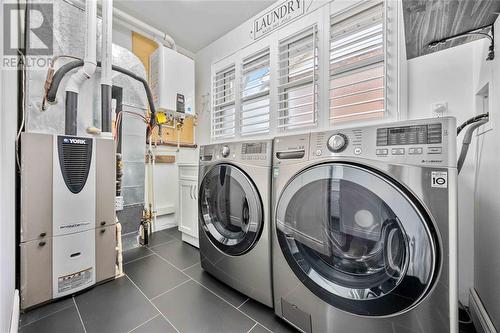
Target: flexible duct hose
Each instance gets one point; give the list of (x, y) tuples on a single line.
[(481, 120), (61, 72)]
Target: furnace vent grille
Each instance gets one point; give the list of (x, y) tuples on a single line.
[(75, 156)]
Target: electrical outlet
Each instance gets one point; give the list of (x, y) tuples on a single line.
[(439, 109)]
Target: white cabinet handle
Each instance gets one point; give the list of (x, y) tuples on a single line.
[(195, 192), (191, 191)]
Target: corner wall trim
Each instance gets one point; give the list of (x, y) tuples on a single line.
[(480, 317), (14, 319)]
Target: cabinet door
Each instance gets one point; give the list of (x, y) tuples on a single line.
[(105, 253), (36, 272), (188, 206)]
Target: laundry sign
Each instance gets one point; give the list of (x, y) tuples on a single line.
[(276, 17)]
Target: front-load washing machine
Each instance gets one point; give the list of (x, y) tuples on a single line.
[(365, 229), (234, 216)]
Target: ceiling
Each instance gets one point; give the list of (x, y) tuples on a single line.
[(193, 24)]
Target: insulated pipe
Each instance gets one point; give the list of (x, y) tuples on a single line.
[(131, 22), (70, 121), (106, 57), (84, 73), (89, 62)]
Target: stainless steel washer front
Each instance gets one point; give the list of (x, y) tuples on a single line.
[(234, 216), (365, 232)]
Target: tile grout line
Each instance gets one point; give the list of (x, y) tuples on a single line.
[(251, 328), (133, 260), (47, 315), (169, 241), (175, 328), (185, 269), (246, 315), (147, 321), (239, 306), (79, 314), (169, 290)]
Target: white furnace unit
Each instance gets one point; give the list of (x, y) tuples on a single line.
[(171, 77), (68, 225)]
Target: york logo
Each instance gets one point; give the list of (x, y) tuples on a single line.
[(75, 141)]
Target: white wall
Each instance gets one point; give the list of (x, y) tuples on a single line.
[(8, 120), (487, 206), (447, 76)]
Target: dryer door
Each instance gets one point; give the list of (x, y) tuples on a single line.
[(356, 240), (231, 212)]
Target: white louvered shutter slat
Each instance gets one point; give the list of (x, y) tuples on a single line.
[(224, 110), (357, 66), (298, 80), (255, 82)]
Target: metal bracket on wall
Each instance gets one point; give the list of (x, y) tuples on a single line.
[(483, 31)]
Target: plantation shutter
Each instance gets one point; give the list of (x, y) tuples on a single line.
[(357, 65), (224, 112), (298, 80), (255, 75)]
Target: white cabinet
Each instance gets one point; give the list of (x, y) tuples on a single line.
[(188, 203)]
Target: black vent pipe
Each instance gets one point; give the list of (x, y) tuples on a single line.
[(70, 123)]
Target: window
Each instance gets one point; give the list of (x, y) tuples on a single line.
[(255, 75), (357, 65), (298, 80), (223, 114)]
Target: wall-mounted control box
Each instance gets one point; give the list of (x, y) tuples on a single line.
[(171, 76)]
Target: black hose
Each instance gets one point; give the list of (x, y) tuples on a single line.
[(106, 107), (71, 112), (58, 76), (472, 120), (61, 72)]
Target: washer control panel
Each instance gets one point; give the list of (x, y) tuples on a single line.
[(419, 142)]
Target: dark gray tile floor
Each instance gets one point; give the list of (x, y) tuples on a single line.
[(164, 290)]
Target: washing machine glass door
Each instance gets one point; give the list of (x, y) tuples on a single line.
[(231, 210), (356, 239)]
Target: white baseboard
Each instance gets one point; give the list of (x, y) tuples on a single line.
[(191, 240), (14, 319), (480, 317), (164, 226)]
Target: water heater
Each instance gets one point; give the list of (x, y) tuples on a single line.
[(171, 77)]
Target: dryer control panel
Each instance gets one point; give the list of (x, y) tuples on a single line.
[(251, 152), (430, 142)]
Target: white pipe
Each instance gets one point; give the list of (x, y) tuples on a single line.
[(119, 251), (90, 63), (155, 34), (106, 39)]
